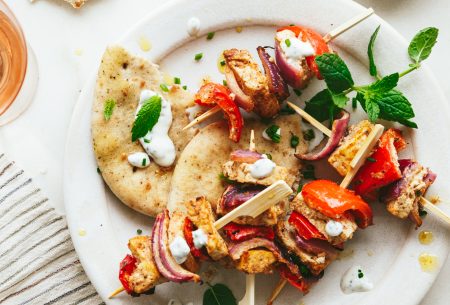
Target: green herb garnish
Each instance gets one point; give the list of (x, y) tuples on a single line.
[(286, 110), (210, 35), (299, 188), (144, 162), (274, 133), (269, 156), (177, 80), (308, 135), (146, 118), (139, 231), (164, 87), (287, 42), (297, 92), (294, 140), (380, 99), (198, 56), (218, 294), (422, 213), (146, 141), (225, 179), (98, 170), (108, 108), (222, 63), (309, 172), (184, 87), (360, 273), (370, 159), (224, 82)]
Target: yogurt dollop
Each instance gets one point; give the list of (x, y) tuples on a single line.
[(355, 280), (193, 26), (262, 168), (200, 238), (296, 50), (139, 159), (334, 228), (179, 249)]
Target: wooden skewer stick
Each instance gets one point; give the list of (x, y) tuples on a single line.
[(434, 209), (328, 37), (116, 292), (203, 117), (278, 288), (348, 25), (310, 119)]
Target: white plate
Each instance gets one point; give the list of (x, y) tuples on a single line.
[(389, 250)]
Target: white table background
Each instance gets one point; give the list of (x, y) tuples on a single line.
[(69, 43)]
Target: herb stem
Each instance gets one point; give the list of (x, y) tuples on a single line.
[(415, 67), (349, 90)]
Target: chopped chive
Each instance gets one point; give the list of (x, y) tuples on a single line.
[(291, 24), (274, 133), (198, 56), (294, 140), (99, 171), (308, 135), (222, 63), (299, 188), (164, 87), (185, 87), (423, 213), (370, 159), (146, 140), (287, 42), (225, 179), (269, 156), (354, 103), (225, 83), (177, 80), (360, 274), (139, 231), (297, 92), (308, 172), (210, 35), (144, 162)]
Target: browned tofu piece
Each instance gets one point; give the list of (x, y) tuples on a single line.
[(257, 261), (241, 172), (201, 215), (316, 263), (269, 218), (146, 274), (320, 221), (341, 158), (252, 81)]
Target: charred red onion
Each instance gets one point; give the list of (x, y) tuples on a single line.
[(277, 85), (245, 156), (327, 146), (234, 196), (237, 250), (164, 260), (316, 246), (242, 100)]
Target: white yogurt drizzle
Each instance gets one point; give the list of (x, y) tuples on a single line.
[(179, 249), (333, 228), (200, 238), (297, 50), (193, 26), (262, 168), (174, 302), (139, 159), (157, 142), (355, 280)]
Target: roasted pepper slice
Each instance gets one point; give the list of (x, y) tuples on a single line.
[(188, 228), (237, 232), (127, 266), (304, 227)]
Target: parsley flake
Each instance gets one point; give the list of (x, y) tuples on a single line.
[(274, 133), (210, 35), (198, 56), (108, 109), (287, 42), (164, 87), (139, 231), (177, 80)]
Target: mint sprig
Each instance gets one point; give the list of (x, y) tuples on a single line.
[(218, 294), (380, 99), (146, 118)]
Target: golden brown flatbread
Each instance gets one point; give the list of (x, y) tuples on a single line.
[(199, 166), (122, 77)]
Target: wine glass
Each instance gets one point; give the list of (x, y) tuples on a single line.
[(18, 68)]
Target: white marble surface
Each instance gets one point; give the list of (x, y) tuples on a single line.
[(69, 43)]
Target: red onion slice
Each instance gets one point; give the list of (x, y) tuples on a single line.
[(245, 156), (242, 100), (316, 246), (234, 196), (297, 78), (237, 250), (327, 146), (164, 260), (277, 85)]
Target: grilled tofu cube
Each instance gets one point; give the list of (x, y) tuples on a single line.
[(257, 261), (241, 172)]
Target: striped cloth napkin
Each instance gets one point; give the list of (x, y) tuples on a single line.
[(38, 264)]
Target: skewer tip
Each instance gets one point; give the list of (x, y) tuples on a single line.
[(116, 292)]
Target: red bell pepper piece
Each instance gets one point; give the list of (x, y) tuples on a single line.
[(211, 94), (335, 202), (188, 228), (294, 280), (237, 232), (315, 39), (127, 266), (382, 167), (304, 227)]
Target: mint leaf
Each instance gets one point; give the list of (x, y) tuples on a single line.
[(395, 106), (421, 45), (408, 123), (108, 108), (146, 118), (335, 72), (219, 294), (340, 100), (372, 109), (372, 66), (321, 106), (385, 84)]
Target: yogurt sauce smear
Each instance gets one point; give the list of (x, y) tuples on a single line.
[(262, 168), (193, 26), (157, 142), (179, 249), (139, 159), (355, 280), (200, 238), (333, 228), (297, 50)]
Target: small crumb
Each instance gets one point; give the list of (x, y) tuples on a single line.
[(78, 52), (145, 44), (239, 29), (369, 252), (205, 79), (82, 232), (345, 254), (435, 199)]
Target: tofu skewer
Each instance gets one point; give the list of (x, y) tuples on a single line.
[(328, 37), (356, 163)]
